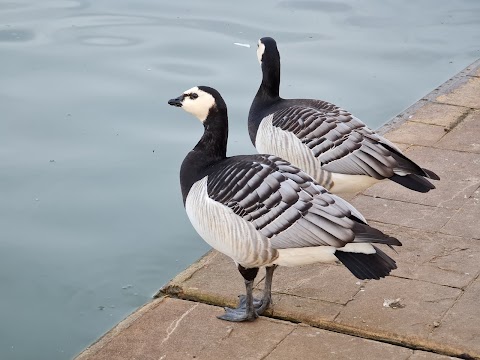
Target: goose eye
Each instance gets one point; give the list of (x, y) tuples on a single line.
[(193, 96)]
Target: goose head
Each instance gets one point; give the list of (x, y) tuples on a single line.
[(267, 51), (200, 101)]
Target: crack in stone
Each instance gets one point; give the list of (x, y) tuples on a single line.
[(455, 150), (278, 344), (400, 201), (426, 281), (310, 298), (459, 119), (446, 253), (410, 356), (174, 325), (459, 192), (462, 292), (434, 301)]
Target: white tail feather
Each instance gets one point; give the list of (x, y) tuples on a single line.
[(363, 248), (306, 255), (318, 254), (345, 183)]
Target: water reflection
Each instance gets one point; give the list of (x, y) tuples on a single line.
[(107, 41), (366, 21), (322, 6), (63, 4), (16, 35), (186, 70), (68, 4), (12, 5), (71, 27), (48, 4)]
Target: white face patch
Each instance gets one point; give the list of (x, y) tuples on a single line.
[(198, 103), (260, 51)]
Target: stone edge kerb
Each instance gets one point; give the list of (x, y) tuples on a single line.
[(454, 82)]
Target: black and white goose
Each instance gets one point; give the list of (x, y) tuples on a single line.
[(262, 211), (338, 150)]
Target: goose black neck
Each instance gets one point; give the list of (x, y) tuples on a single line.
[(213, 144), (211, 149), (266, 97), (270, 86)]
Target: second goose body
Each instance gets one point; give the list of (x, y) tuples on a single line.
[(337, 149)]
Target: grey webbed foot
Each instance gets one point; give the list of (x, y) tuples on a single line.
[(250, 308), (239, 314)]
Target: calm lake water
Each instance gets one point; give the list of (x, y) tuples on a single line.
[(91, 217)]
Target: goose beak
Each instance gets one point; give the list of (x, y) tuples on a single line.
[(176, 102)]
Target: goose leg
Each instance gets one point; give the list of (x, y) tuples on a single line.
[(262, 304), (245, 311), (267, 290)]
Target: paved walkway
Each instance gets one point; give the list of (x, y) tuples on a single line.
[(428, 309)]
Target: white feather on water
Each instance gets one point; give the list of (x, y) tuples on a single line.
[(241, 44)]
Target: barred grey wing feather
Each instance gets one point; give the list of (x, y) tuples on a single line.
[(282, 202), (341, 142)]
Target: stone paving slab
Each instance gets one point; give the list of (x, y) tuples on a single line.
[(460, 324), (423, 355), (459, 173), (476, 73), (466, 220), (466, 136), (177, 329), (312, 343), (418, 307), (415, 133), (316, 283), (435, 257), (408, 214), (466, 95), (439, 114)]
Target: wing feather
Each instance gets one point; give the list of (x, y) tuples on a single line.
[(341, 142), (284, 204)]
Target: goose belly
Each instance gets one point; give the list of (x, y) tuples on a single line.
[(273, 140), (225, 231)]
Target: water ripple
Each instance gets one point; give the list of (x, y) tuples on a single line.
[(107, 40), (49, 5), (11, 5), (16, 35), (322, 6), (106, 22), (365, 21), (185, 70)]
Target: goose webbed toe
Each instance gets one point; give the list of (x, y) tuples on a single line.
[(239, 314), (257, 303)]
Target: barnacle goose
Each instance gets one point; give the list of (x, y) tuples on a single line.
[(262, 211), (334, 147)]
